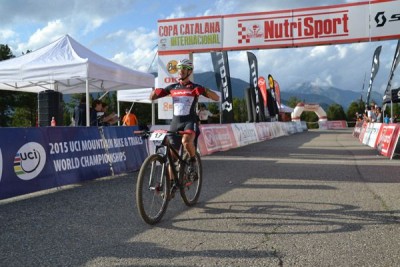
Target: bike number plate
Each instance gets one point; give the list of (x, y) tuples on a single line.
[(158, 136)]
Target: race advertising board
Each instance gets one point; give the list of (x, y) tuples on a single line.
[(215, 138), (48, 157), (386, 140)]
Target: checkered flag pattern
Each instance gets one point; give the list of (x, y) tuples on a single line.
[(242, 36)]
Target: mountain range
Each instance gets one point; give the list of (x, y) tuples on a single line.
[(307, 92)]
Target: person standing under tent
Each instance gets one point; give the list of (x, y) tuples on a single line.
[(129, 119), (79, 115)]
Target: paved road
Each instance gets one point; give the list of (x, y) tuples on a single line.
[(310, 199)]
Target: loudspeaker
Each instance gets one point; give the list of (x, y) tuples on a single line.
[(50, 105)]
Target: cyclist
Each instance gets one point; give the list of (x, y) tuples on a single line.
[(185, 96)]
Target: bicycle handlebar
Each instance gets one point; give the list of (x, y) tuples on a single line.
[(147, 133)]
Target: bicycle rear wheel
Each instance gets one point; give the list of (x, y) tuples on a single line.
[(152, 189), (191, 184)]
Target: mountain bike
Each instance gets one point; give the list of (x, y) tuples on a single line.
[(155, 188)]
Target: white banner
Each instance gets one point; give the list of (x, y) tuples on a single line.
[(320, 25)]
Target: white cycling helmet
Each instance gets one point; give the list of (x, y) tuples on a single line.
[(185, 64)]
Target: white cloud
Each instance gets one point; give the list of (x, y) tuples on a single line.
[(93, 24), (7, 34), (52, 31), (318, 51), (178, 13), (326, 81)]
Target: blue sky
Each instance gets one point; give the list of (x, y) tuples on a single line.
[(125, 31)]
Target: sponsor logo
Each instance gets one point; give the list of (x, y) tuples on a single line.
[(255, 32), (188, 34), (253, 73), (271, 82), (381, 19), (181, 93), (29, 161), (298, 27), (170, 80), (171, 67), (163, 44), (209, 139), (226, 105)]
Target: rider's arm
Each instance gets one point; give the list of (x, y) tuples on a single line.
[(157, 93), (211, 94), (206, 92)]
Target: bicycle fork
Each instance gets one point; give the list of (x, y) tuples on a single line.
[(158, 185)]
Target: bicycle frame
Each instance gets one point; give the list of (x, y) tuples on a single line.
[(172, 160), (154, 188)]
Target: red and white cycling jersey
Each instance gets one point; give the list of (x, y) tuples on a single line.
[(184, 98)]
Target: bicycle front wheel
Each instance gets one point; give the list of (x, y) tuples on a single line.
[(191, 184), (152, 189)]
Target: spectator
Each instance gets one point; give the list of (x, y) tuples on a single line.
[(371, 113), (79, 115), (386, 119), (129, 119), (395, 118), (108, 119), (96, 113), (204, 113), (378, 113)]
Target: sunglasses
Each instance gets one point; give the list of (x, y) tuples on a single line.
[(183, 68)]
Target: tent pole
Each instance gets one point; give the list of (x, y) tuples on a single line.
[(391, 110), (118, 112), (87, 103), (153, 116)]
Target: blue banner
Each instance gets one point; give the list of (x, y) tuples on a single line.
[(34, 159)]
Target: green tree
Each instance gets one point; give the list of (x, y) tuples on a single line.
[(214, 109), (7, 100), (293, 101), (311, 118), (335, 112), (5, 52), (355, 107), (239, 110), (28, 102), (21, 118)]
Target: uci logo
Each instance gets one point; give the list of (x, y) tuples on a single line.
[(29, 161), (381, 19)]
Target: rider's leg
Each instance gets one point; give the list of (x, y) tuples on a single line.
[(188, 144), (175, 141)]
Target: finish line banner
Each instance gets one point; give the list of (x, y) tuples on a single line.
[(322, 25), (47, 157)]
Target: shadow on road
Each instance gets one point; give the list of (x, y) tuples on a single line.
[(75, 226)]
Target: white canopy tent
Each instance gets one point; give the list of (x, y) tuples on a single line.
[(68, 67)]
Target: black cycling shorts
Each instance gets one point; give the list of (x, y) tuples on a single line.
[(176, 140)]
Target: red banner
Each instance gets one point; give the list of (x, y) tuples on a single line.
[(386, 139)]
